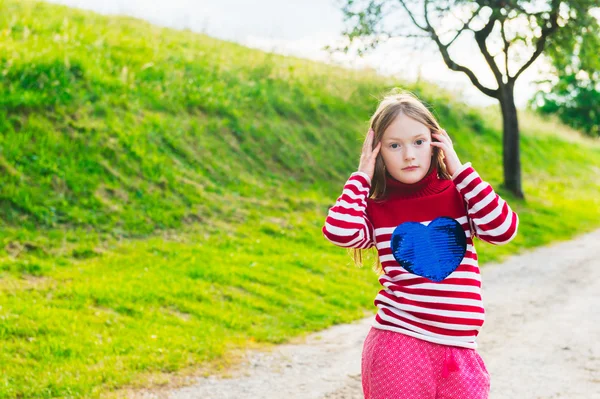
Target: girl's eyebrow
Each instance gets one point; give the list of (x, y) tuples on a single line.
[(413, 137)]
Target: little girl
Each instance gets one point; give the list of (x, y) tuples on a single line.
[(420, 206)]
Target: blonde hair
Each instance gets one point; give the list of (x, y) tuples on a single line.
[(391, 106)]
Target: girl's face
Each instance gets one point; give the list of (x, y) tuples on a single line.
[(406, 149)]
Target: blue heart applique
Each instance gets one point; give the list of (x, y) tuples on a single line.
[(432, 251)]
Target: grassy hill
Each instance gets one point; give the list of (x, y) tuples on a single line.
[(162, 194)]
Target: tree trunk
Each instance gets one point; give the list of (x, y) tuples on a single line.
[(510, 141)]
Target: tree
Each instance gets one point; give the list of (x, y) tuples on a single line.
[(575, 100), (573, 92), (508, 28)]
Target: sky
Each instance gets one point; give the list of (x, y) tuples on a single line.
[(303, 27)]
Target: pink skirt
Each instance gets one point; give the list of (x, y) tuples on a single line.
[(398, 366)]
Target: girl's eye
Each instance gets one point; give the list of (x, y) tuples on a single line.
[(394, 145), (419, 142)]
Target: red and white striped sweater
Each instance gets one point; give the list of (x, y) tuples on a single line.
[(450, 311)]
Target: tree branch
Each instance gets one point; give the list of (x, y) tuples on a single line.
[(465, 26), (541, 43), (412, 17), (448, 60), (506, 46), (480, 37)]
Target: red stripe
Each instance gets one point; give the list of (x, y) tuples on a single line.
[(412, 281), (392, 276), (497, 221), (468, 268), (355, 190), (423, 280), (361, 179), (502, 237), (463, 175), (350, 200), (347, 211), (343, 224), (340, 239), (471, 186), (484, 211), (461, 281), (481, 195)]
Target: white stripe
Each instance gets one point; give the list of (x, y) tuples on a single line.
[(448, 287), (339, 231), (449, 326), (437, 299), (358, 185), (437, 312), (387, 243), (462, 220), (352, 195), (461, 169), (387, 258), (492, 215), (469, 262), (511, 237), (347, 244), (498, 231), (488, 198), (347, 218), (469, 275), (390, 230), (347, 205), (384, 230), (404, 276), (478, 188), (383, 245), (410, 276), (365, 245), (366, 177), (515, 233), (472, 176)]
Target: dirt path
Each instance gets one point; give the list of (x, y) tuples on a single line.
[(541, 338)]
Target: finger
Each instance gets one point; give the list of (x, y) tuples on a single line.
[(442, 138), (368, 140), (373, 159), (439, 144), (445, 134), (376, 149), (439, 137)]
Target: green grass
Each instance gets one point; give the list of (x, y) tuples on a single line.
[(162, 195)]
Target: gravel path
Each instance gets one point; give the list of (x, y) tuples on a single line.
[(541, 338)]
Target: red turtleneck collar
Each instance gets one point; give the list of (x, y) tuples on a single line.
[(428, 185)]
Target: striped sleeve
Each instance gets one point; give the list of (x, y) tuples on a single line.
[(492, 218), (347, 224)]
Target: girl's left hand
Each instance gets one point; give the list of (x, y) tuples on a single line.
[(450, 158)]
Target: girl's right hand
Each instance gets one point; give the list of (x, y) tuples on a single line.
[(369, 155)]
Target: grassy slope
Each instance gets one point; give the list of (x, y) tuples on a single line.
[(162, 194)]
